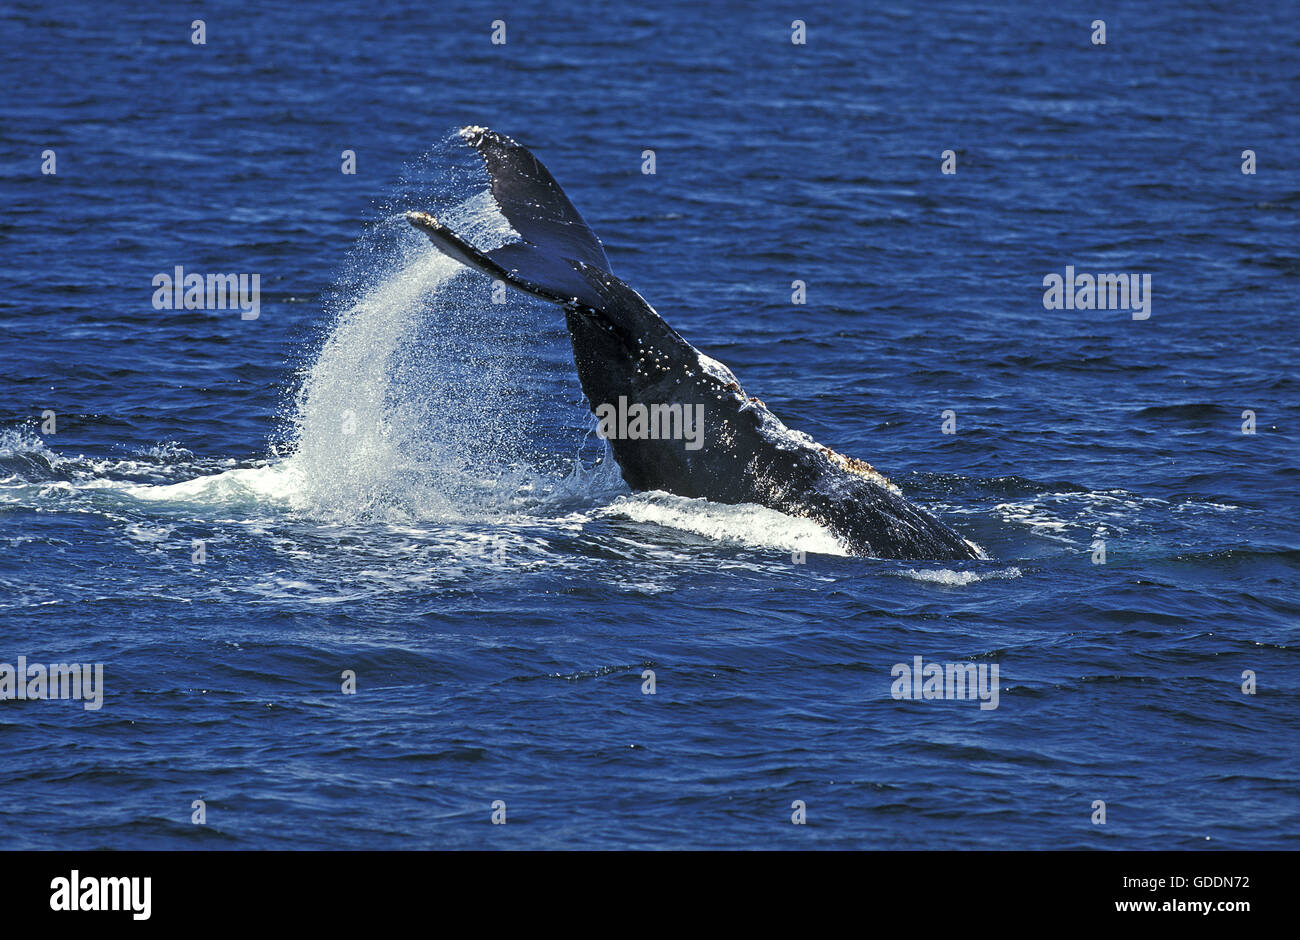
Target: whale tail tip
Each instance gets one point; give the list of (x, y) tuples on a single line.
[(552, 233)]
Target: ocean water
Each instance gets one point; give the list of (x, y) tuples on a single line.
[(391, 476)]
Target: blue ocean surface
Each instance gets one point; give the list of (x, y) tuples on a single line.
[(386, 481)]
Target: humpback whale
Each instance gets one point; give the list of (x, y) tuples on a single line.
[(628, 356)]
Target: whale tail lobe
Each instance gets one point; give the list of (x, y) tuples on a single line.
[(553, 237)]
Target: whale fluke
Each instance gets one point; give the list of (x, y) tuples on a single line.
[(704, 436), (552, 234), (532, 201)]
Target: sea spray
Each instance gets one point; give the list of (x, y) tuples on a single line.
[(429, 401)]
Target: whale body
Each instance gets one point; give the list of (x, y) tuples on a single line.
[(649, 386)]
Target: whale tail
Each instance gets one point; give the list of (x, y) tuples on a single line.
[(554, 238)]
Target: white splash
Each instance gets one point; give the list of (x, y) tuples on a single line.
[(951, 578), (749, 524)]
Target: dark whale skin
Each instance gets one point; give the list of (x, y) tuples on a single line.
[(623, 349)]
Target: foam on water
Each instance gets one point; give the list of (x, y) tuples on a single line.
[(272, 485), (750, 525), (950, 578)]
